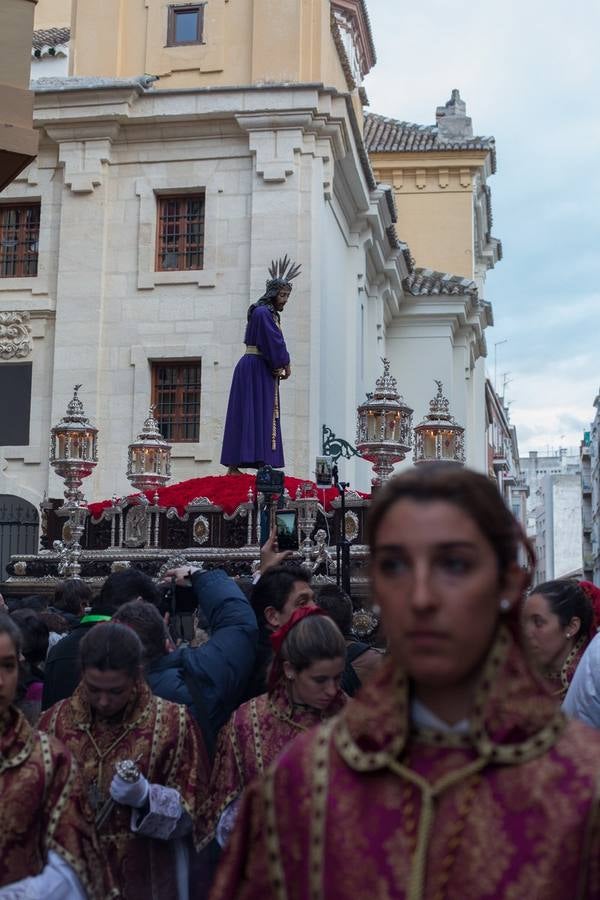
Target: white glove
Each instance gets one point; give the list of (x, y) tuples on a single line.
[(129, 793)]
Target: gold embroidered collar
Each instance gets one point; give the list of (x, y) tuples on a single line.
[(513, 718)]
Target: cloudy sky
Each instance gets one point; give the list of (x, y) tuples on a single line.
[(529, 71)]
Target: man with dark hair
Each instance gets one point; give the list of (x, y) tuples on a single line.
[(131, 584), (211, 679), (62, 665), (280, 591), (361, 658), (72, 598)]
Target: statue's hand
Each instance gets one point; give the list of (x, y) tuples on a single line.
[(286, 372)]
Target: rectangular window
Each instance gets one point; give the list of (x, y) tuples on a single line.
[(19, 239), (180, 237), (15, 390), (185, 24), (176, 389)]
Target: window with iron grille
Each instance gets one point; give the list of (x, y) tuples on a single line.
[(180, 238), (185, 24), (19, 239), (176, 390)]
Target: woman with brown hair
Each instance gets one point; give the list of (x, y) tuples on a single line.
[(444, 777), (559, 621), (48, 844), (304, 690)]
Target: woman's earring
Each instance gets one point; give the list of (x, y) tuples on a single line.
[(567, 634), (505, 605)]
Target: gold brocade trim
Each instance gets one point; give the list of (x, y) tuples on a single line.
[(286, 715), (253, 351), (181, 733), (65, 793), (257, 737), (563, 674), (56, 814), (429, 793), (10, 762), (46, 762), (275, 867), (52, 724), (320, 784), (477, 738), (235, 746), (368, 761), (156, 736), (589, 852)]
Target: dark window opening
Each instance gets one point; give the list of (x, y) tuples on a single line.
[(15, 390), (185, 24), (176, 392), (19, 240), (180, 237)]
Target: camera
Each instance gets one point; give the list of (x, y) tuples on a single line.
[(180, 603), (269, 480)]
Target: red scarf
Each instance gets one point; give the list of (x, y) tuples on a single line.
[(278, 637), (593, 593)]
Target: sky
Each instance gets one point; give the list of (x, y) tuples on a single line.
[(529, 72)]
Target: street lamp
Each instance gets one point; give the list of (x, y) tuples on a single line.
[(73, 456), (438, 436), (149, 457), (384, 427)]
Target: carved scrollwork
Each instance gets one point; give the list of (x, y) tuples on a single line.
[(15, 335)]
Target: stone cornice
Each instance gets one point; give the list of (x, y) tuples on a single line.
[(355, 11), (462, 314)]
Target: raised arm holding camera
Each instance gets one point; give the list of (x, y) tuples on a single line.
[(210, 679)]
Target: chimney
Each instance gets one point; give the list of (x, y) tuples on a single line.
[(452, 120)]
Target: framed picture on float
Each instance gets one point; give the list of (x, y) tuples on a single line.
[(324, 471)]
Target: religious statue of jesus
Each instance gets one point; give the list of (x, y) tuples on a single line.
[(252, 435)]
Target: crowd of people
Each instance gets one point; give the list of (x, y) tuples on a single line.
[(274, 755)]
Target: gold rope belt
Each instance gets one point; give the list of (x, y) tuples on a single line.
[(253, 351)]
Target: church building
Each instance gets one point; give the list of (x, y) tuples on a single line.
[(183, 146)]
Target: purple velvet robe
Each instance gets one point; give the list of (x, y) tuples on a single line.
[(252, 435), (366, 806)]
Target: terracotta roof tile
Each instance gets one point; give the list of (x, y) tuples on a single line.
[(384, 135), (427, 282), (47, 40)]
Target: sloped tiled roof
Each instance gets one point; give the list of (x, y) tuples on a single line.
[(384, 135), (427, 282), (46, 39)]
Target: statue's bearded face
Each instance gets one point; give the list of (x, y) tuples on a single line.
[(282, 298)]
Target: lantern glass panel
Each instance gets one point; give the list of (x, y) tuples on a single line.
[(372, 427), (429, 449), (390, 427), (448, 446)]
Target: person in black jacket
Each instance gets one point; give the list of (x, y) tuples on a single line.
[(361, 658), (62, 665), (210, 679)]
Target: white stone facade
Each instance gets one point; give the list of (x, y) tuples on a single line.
[(555, 513), (281, 174)]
